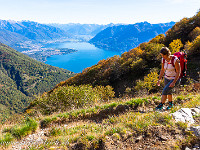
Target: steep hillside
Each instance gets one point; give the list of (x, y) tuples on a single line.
[(23, 77), (124, 37), (10, 38), (122, 72)]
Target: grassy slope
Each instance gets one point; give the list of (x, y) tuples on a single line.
[(116, 124)]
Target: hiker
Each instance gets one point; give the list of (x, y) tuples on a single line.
[(171, 76)]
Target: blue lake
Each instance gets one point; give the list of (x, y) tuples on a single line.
[(86, 56)]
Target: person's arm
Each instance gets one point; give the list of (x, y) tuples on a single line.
[(162, 71), (178, 68)]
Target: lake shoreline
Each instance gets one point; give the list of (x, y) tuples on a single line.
[(86, 56)]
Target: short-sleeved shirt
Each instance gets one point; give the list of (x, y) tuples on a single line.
[(170, 71)]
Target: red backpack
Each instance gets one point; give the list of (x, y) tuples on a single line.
[(183, 62)]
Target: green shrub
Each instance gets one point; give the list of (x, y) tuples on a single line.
[(152, 53), (106, 106), (105, 93), (7, 138), (47, 121), (55, 131), (29, 126), (149, 82), (137, 102), (90, 137), (72, 97), (113, 130), (154, 98)]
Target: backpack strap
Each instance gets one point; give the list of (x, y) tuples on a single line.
[(172, 61), (163, 60)]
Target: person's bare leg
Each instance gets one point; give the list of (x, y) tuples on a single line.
[(169, 98), (170, 102), (163, 98)]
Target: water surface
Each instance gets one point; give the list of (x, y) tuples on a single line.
[(86, 56)]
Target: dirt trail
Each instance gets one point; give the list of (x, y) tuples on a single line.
[(155, 138), (39, 137)]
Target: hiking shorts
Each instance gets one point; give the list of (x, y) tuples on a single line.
[(169, 90)]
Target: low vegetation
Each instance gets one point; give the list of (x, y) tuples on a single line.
[(91, 126), (71, 97)]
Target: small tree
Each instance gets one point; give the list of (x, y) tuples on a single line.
[(175, 46), (149, 82)]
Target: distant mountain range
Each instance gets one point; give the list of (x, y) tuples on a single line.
[(82, 31), (117, 37), (125, 37), (12, 32)]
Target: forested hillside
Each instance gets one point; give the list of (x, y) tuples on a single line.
[(122, 72), (22, 78)]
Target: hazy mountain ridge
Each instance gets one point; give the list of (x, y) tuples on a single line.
[(10, 38), (21, 31), (125, 37), (82, 31)]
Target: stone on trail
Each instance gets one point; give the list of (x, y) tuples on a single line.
[(184, 115)]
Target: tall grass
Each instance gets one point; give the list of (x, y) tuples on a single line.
[(19, 131), (5, 139)]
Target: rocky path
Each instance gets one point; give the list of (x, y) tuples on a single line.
[(38, 138), (31, 140)]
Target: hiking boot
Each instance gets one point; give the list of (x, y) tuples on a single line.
[(159, 107), (170, 106)]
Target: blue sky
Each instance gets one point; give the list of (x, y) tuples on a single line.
[(98, 11)]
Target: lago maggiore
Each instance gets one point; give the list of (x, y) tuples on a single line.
[(86, 56)]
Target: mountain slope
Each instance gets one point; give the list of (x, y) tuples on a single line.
[(9, 38), (23, 77), (122, 72), (13, 32), (125, 37)]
